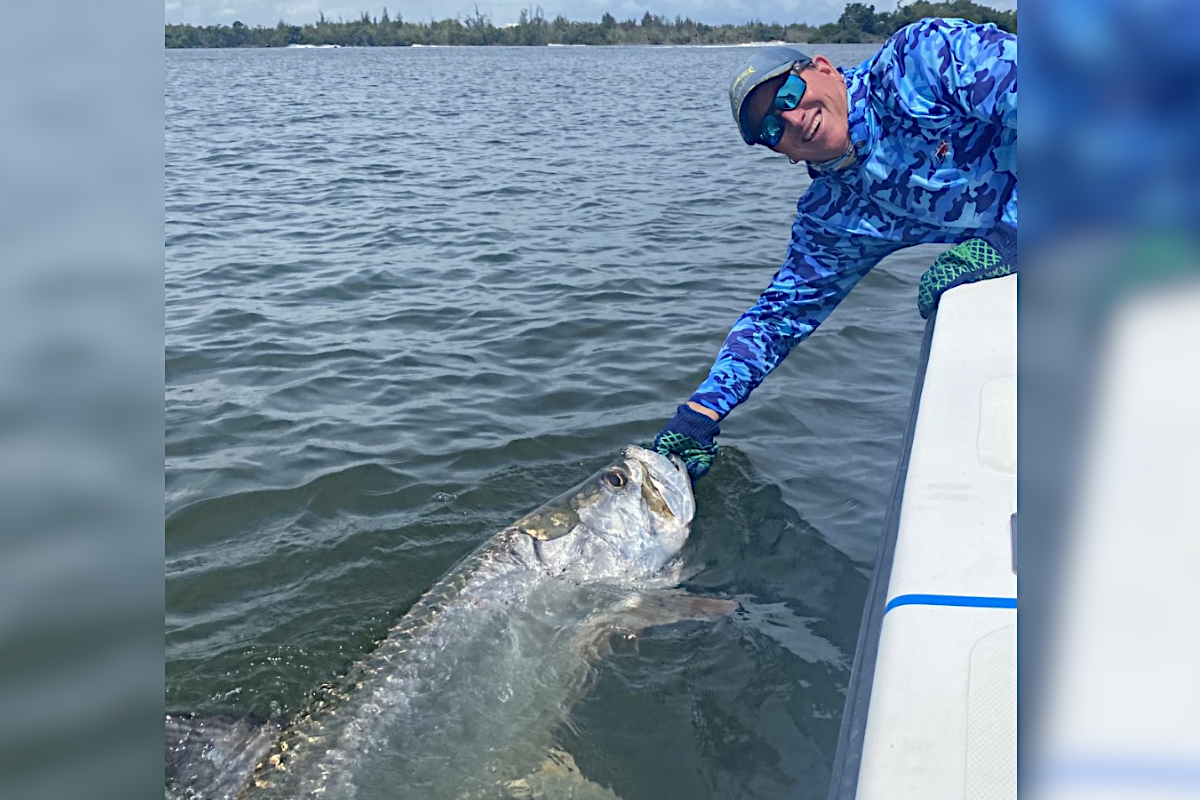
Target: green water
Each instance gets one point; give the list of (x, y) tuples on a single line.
[(414, 293)]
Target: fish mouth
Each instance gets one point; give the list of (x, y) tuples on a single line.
[(668, 480)]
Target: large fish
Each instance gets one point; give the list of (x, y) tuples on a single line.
[(462, 699)]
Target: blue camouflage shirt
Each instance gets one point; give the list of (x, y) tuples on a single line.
[(933, 129)]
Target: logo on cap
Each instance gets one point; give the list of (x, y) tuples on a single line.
[(737, 83)]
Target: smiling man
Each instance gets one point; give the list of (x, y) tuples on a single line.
[(916, 145), (816, 126)]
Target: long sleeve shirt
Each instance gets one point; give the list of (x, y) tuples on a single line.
[(933, 132)]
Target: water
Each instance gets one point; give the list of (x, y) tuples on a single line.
[(413, 293)]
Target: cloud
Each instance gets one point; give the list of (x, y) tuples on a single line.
[(300, 12)]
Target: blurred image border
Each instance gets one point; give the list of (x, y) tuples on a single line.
[(81, 400), (1109, 240)]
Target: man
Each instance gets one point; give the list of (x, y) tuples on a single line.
[(914, 146)]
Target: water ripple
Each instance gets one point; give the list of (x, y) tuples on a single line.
[(398, 318)]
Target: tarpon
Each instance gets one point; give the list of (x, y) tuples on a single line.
[(461, 700)]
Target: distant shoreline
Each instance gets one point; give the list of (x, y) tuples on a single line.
[(448, 46), (858, 24)]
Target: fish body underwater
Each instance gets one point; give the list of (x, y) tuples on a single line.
[(462, 699)]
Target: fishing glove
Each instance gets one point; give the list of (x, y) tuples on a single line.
[(973, 260), (689, 435)]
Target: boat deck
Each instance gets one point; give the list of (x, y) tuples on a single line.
[(932, 708)]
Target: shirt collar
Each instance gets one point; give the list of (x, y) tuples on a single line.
[(863, 128)]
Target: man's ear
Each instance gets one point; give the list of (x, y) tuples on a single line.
[(824, 64)]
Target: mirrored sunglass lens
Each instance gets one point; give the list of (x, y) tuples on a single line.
[(772, 131), (788, 96)]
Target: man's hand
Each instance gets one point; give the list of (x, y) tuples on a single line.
[(689, 435), (973, 260)]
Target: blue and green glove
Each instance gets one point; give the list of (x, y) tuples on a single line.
[(689, 435), (973, 260)]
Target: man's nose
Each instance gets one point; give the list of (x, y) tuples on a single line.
[(793, 117)]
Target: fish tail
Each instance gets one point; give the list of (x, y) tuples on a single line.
[(215, 758)]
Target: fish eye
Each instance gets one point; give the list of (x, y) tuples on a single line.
[(615, 478)]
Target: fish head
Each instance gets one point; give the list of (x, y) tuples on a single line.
[(625, 522)]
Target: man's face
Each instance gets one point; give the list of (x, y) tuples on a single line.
[(817, 129)]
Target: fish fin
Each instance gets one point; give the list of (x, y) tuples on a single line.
[(559, 778), (214, 758), (646, 610), (637, 612)]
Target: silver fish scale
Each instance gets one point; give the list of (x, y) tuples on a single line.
[(495, 610), (461, 700)]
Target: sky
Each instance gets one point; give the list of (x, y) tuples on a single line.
[(712, 12)]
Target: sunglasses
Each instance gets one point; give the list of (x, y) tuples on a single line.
[(787, 98)]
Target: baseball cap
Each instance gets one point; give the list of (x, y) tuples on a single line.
[(764, 64)]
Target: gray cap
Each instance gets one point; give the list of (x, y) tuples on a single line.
[(766, 63)]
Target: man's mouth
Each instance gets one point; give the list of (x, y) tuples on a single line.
[(813, 125)]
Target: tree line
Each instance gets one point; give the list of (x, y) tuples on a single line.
[(858, 23)]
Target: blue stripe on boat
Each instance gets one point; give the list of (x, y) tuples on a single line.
[(950, 600)]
